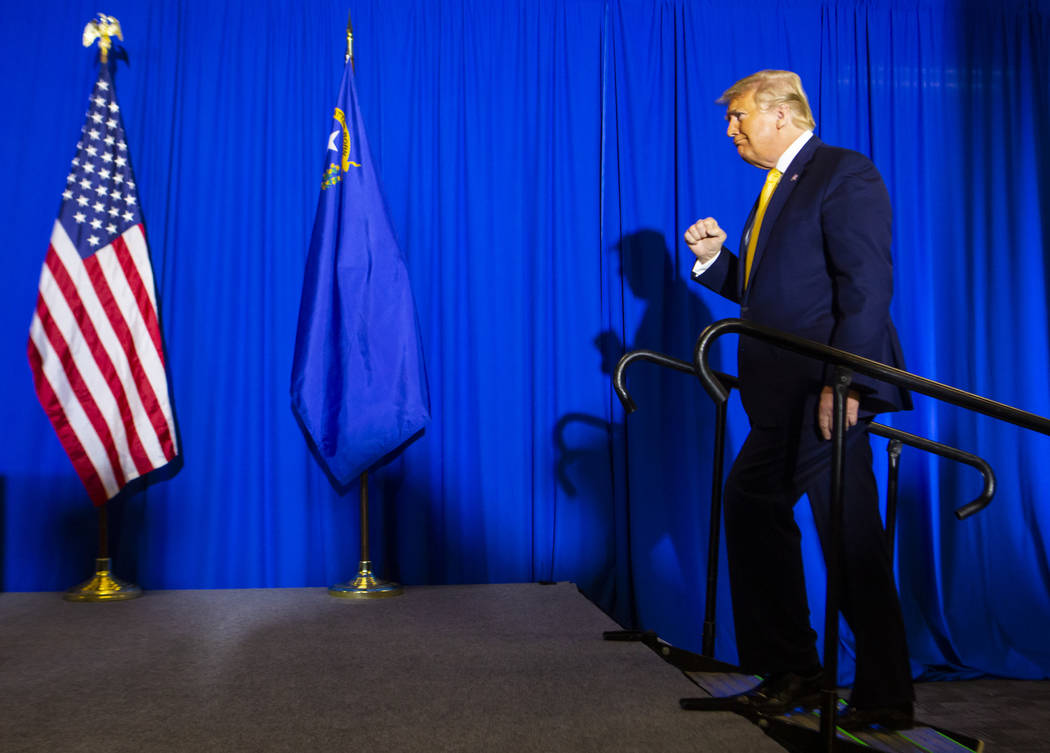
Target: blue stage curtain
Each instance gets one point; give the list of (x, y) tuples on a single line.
[(540, 160)]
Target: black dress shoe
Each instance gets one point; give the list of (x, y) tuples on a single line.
[(855, 719), (784, 691)]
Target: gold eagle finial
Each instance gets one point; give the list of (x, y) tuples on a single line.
[(102, 29)]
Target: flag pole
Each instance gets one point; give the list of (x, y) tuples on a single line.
[(103, 586), (365, 585), (349, 43)]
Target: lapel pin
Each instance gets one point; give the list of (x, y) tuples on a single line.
[(794, 177)]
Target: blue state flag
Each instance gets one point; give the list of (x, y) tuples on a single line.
[(359, 386)]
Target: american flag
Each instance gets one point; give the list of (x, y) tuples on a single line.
[(95, 344)]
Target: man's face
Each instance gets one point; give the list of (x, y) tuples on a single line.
[(754, 131)]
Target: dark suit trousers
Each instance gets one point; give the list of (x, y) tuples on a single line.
[(775, 466)]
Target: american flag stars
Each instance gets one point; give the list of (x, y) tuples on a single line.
[(99, 202)]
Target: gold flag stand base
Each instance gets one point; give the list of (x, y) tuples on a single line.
[(102, 586), (365, 585)]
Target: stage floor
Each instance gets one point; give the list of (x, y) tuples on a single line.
[(505, 667), (519, 667)]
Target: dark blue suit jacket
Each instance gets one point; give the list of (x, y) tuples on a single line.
[(822, 270)]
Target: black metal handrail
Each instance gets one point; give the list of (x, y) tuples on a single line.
[(945, 451), (937, 448), (843, 362), (711, 379), (896, 436), (880, 371)]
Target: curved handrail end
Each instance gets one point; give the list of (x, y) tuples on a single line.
[(985, 497), (644, 355)]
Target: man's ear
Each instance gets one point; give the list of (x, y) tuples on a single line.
[(783, 115)]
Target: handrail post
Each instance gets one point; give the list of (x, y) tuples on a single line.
[(832, 550), (893, 450), (713, 538)]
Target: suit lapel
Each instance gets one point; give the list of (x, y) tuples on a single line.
[(791, 178)]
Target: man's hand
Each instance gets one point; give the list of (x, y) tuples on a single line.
[(705, 239), (827, 405)]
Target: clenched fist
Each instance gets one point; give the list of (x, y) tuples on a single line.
[(705, 239)]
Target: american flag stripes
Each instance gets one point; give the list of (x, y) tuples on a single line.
[(95, 343)]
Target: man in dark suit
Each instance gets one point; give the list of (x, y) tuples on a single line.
[(814, 261)]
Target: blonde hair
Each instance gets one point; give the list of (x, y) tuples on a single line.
[(773, 88)]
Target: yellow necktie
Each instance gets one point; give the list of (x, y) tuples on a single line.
[(772, 178)]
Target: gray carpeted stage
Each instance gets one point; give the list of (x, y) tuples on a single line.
[(503, 668), (467, 668)]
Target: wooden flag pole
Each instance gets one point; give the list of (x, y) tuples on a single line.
[(365, 585)]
